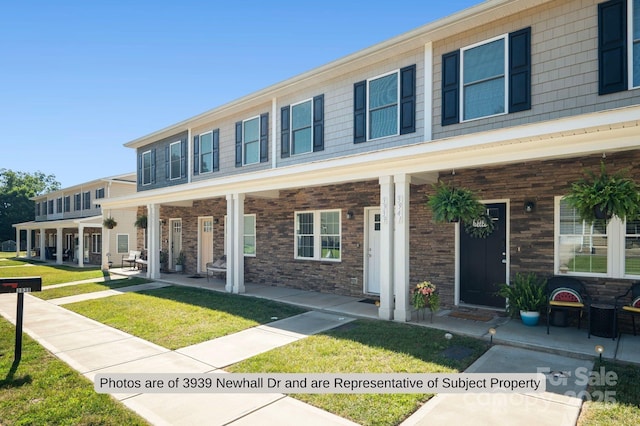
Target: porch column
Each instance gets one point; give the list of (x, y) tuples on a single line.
[(42, 244), (80, 246), (401, 247), (18, 241), (29, 248), (385, 311), (153, 241), (235, 243), (59, 248)]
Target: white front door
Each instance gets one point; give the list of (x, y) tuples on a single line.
[(206, 242), (372, 257), (175, 244)]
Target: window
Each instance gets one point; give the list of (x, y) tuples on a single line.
[(206, 152), (67, 204), (96, 243), (250, 235), (99, 195), (318, 235), (596, 249), (86, 200), (484, 79), (385, 105), (146, 168), (77, 204), (488, 78), (50, 207), (59, 205), (122, 241), (302, 127), (252, 140), (634, 17), (37, 209), (175, 153)]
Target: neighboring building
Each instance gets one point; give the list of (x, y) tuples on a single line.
[(320, 182), (68, 224)]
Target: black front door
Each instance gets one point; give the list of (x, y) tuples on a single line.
[(483, 261)]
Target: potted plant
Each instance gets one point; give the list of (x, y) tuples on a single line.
[(526, 296), (164, 258), (180, 261), (141, 221), (424, 295), (601, 196), (452, 204), (109, 222)]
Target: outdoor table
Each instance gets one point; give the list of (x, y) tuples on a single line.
[(602, 319)]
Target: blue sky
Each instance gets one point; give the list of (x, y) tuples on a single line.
[(78, 79)]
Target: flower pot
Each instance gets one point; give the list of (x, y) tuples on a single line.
[(178, 268), (530, 318)]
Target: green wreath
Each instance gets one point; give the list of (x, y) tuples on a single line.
[(480, 227)]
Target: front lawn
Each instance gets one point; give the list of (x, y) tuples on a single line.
[(369, 346), (175, 317), (51, 274), (72, 290), (42, 390)]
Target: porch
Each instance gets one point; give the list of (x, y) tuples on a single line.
[(568, 341)]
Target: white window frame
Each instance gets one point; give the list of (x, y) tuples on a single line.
[(118, 237), (616, 241), (630, 42), (67, 204), (506, 77), (244, 140), (59, 205), (77, 202), (201, 153), (291, 129), (317, 235), (144, 181), (96, 243), (171, 168), (369, 120), (226, 235), (86, 200), (252, 235)]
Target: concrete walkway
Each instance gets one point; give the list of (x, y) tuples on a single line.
[(91, 348)]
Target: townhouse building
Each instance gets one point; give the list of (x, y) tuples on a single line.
[(68, 225), (321, 181)]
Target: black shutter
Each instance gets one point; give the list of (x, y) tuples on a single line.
[(183, 158), (216, 150), (264, 137), (139, 169), (612, 47), (520, 70), (239, 144), (167, 162), (285, 141), (451, 88), (196, 155), (408, 100), (318, 123), (360, 112), (153, 165)]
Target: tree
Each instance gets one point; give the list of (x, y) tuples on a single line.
[(16, 191)]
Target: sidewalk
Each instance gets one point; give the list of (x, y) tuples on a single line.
[(91, 347)]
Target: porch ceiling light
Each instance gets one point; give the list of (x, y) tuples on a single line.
[(529, 206)]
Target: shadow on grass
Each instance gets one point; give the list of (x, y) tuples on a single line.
[(10, 381), (259, 310)]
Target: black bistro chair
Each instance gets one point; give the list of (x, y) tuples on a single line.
[(570, 295), (629, 303)]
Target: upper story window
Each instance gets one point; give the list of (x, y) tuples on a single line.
[(175, 162), (50, 207), (86, 200), (99, 195), (77, 202), (385, 105), (37, 209), (252, 140), (318, 235), (67, 204), (146, 168), (488, 78), (618, 46), (302, 127), (59, 205), (206, 152), (595, 249)]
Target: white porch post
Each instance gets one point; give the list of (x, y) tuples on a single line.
[(385, 311), (153, 241), (42, 244), (229, 249), (29, 248), (80, 246), (401, 247), (18, 241), (59, 249), (238, 237)]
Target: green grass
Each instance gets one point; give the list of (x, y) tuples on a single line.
[(51, 274), (72, 290), (588, 263), (367, 346), (175, 317), (613, 404), (42, 390)]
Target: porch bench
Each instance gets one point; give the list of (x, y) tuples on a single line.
[(219, 266), (130, 259), (141, 264)]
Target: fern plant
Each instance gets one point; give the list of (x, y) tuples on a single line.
[(526, 292)]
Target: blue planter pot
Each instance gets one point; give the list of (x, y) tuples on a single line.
[(530, 318)]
